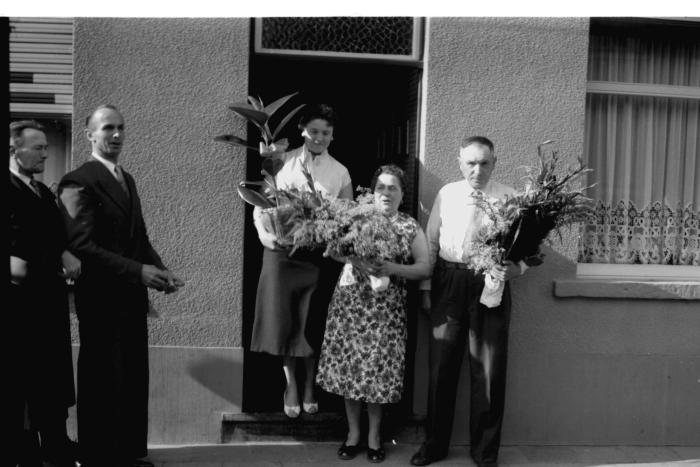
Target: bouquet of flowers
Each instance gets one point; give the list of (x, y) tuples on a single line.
[(280, 208), (516, 227), (350, 229)]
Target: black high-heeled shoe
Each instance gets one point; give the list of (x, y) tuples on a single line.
[(346, 452), (376, 456)]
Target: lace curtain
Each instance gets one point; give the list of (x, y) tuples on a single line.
[(645, 152)]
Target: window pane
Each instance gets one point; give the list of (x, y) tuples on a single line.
[(645, 151), (643, 59)]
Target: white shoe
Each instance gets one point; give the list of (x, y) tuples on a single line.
[(291, 411), (310, 407)]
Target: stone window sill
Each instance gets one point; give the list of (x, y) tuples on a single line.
[(624, 288)]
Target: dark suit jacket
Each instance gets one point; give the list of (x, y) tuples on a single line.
[(40, 322), (107, 232)]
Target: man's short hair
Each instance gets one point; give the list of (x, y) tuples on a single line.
[(482, 140), (16, 129), (103, 106)]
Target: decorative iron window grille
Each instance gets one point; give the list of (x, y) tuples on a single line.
[(384, 38)]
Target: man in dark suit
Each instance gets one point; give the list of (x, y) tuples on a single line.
[(106, 230), (39, 332)]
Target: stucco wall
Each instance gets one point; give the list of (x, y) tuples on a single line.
[(172, 79), (581, 371)]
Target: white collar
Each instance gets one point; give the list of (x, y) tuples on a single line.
[(27, 180), (486, 190), (306, 156), (107, 163)]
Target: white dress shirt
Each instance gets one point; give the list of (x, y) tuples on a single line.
[(111, 166), (452, 220), (27, 181), (330, 176)]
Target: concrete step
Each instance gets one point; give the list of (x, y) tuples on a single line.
[(319, 427), (276, 426)]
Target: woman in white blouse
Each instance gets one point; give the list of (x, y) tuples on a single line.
[(293, 292)]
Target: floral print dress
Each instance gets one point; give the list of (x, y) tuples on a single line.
[(364, 346)]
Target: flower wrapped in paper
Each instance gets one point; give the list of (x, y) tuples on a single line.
[(515, 228)]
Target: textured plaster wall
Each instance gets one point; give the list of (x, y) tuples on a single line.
[(580, 370), (172, 79)]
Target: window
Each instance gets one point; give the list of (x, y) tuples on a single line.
[(370, 38), (41, 84), (642, 139)]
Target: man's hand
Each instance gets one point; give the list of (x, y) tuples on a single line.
[(174, 282), (71, 265), (154, 278), (505, 272), (18, 270), (426, 303)]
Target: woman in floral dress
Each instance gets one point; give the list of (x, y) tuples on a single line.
[(363, 351)]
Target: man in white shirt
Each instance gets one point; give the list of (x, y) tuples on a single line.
[(452, 296)]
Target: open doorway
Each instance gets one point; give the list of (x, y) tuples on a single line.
[(377, 107)]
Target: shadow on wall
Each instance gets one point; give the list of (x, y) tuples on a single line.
[(215, 373)]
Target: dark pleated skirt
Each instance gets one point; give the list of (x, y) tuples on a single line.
[(292, 303)]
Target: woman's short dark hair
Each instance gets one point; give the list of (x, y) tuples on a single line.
[(390, 169), (317, 111)]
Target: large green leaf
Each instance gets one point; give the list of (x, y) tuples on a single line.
[(234, 141), (253, 197), (250, 114), (260, 184), (285, 120), (272, 165), (256, 103), (274, 107)]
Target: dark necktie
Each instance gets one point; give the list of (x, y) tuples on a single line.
[(120, 179), (34, 185)]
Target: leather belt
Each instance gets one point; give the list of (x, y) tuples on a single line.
[(441, 263)]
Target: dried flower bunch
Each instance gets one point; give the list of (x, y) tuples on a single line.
[(346, 228), (517, 227)]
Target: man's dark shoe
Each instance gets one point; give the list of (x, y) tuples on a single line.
[(137, 463), (58, 463), (65, 456), (421, 458), (486, 464)]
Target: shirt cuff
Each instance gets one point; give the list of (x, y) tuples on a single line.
[(523, 267)]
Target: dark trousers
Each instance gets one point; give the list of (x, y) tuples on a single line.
[(457, 317), (112, 385), (40, 376)]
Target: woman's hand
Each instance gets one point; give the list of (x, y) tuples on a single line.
[(385, 268), (269, 240), (362, 265)]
